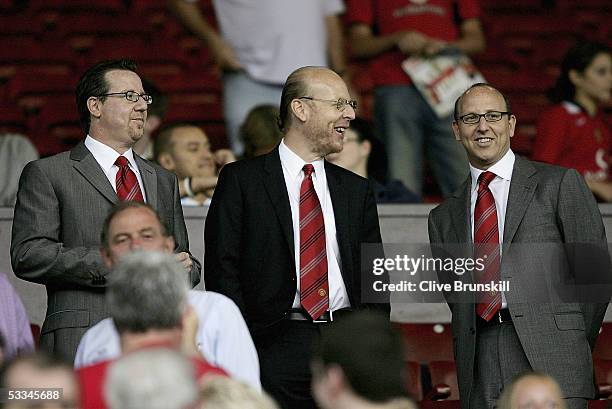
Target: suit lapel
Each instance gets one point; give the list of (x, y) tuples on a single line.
[(522, 188), (85, 163), (149, 179), (460, 213), (342, 216), (274, 182)]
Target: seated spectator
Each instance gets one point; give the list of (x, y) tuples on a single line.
[(222, 336), (533, 390), (38, 371), (15, 152), (147, 300), (185, 150), (350, 370), (14, 322), (155, 116), (574, 133), (259, 131), (364, 154), (225, 393), (154, 378)]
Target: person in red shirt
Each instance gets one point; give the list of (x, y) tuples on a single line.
[(147, 299), (573, 133), (388, 32)]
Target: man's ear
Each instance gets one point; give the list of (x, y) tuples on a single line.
[(106, 258), (166, 161), (456, 130), (299, 109), (94, 105), (169, 244)]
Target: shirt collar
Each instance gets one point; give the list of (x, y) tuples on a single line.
[(502, 168), (294, 164), (106, 156)]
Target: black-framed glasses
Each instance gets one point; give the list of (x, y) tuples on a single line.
[(491, 116), (340, 104), (131, 96)]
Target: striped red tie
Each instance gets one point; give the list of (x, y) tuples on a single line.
[(126, 182), (486, 246), (314, 287)]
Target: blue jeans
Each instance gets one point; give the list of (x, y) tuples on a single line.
[(241, 93), (408, 127)]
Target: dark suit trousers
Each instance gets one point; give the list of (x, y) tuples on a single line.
[(284, 352)]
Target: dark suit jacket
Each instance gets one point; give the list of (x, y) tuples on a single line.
[(61, 206), (249, 236), (546, 205)]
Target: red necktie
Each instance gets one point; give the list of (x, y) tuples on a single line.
[(486, 246), (314, 287), (126, 182)]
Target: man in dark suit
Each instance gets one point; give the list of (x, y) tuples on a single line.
[(63, 200), (506, 206), (284, 230)]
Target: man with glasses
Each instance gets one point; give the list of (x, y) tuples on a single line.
[(62, 201), (519, 215), (284, 230)]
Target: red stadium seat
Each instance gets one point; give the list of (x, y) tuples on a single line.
[(414, 385), (424, 343), (35, 334), (603, 378), (603, 345), (58, 128), (444, 377), (12, 119), (67, 6)]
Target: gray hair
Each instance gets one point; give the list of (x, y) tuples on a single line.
[(157, 378), (148, 290)]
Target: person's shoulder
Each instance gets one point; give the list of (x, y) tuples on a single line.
[(543, 170), (345, 174), (211, 301), (158, 169)]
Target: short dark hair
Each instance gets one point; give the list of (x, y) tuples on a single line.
[(260, 130), (93, 84), (295, 87), (163, 141), (372, 364), (478, 85), (120, 207), (159, 106), (578, 58)]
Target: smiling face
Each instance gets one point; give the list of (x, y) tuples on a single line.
[(190, 153), (325, 124), (116, 121), (485, 142)]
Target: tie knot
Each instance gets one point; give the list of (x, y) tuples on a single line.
[(121, 161), (485, 178), (308, 170)]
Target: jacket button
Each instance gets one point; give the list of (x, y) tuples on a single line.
[(472, 331)]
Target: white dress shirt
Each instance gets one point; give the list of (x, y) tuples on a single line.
[(294, 175), (223, 339), (500, 187), (106, 157)]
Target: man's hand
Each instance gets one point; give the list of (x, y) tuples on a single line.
[(223, 157), (412, 42), (224, 55), (185, 260)]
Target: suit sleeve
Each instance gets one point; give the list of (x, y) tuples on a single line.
[(581, 224), (223, 238), (181, 238), (37, 251), (371, 234)]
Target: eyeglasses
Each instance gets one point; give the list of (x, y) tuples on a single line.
[(132, 96), (341, 103), (491, 116)]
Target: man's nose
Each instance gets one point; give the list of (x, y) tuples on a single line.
[(349, 112), (483, 124)]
